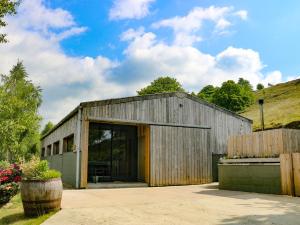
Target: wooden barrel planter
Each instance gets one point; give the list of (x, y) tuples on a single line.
[(41, 196)]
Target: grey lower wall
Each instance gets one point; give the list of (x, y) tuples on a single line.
[(66, 164), (256, 177)]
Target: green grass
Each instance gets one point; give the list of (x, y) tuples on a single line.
[(12, 213), (281, 108)]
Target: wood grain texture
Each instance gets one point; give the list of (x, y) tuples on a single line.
[(65, 130), (296, 172), (269, 143), (174, 109), (287, 178), (84, 153), (179, 156)]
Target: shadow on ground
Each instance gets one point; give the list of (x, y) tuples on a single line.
[(290, 206), (12, 218), (288, 218)]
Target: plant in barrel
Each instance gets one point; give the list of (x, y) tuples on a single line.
[(41, 188)]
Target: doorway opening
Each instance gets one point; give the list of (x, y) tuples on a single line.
[(112, 153)]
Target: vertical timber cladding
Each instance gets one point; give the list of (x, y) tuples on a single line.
[(143, 153), (84, 153), (179, 155)]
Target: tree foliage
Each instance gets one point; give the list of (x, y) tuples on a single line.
[(161, 85), (19, 119), (260, 86), (47, 128), (7, 7), (207, 93), (233, 96)]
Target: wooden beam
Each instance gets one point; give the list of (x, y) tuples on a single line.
[(138, 122), (287, 178), (147, 154), (84, 153), (296, 171)]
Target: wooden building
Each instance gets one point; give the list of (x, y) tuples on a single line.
[(161, 139)]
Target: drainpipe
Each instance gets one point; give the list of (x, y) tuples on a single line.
[(78, 145)]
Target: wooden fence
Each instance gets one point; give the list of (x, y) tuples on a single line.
[(290, 174), (269, 143)]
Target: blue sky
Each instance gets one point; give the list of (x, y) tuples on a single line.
[(86, 50), (272, 29)]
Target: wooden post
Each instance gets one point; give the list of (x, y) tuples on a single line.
[(287, 178), (296, 171), (84, 153)]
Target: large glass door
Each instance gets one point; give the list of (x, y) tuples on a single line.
[(112, 153)]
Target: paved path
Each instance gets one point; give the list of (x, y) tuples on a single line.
[(176, 205)]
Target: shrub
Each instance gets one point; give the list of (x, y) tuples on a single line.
[(37, 169), (10, 176), (51, 174)]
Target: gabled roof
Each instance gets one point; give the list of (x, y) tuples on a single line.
[(140, 98)]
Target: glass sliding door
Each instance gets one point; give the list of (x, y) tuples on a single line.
[(99, 157), (112, 153)]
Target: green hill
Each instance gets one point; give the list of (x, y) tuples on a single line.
[(281, 108)]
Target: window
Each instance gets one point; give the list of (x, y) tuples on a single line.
[(68, 143), (48, 153), (43, 152), (56, 148)]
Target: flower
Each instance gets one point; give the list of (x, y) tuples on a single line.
[(3, 179), (17, 179)]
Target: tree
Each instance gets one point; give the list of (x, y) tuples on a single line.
[(207, 93), (47, 128), (7, 7), (260, 86), (19, 119), (161, 85), (232, 96), (245, 84)]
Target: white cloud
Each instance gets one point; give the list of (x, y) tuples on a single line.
[(129, 9), (243, 14), (37, 16), (67, 80), (148, 60), (186, 28)]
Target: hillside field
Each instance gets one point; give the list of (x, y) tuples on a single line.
[(281, 108)]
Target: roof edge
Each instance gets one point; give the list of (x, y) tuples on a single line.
[(68, 116), (144, 97)]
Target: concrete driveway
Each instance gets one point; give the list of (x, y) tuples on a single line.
[(176, 205)]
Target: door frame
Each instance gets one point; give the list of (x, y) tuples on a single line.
[(84, 147)]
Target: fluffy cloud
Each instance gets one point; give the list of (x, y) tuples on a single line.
[(186, 28), (67, 80), (147, 58), (129, 9)]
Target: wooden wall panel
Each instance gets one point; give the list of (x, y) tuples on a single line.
[(296, 172), (269, 143), (84, 153), (287, 179), (177, 109), (179, 156), (143, 153), (66, 129)]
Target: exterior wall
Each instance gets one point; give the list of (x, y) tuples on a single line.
[(268, 143), (177, 109), (169, 108), (179, 156), (252, 177), (65, 162)]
